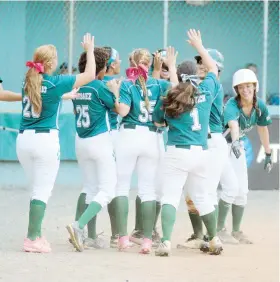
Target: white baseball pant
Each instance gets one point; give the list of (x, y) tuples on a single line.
[(186, 168), (234, 179), (138, 148), (39, 155), (114, 134), (96, 160)]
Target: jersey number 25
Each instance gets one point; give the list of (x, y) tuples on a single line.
[(83, 118)]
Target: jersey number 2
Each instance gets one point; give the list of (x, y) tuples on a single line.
[(28, 110), (83, 118), (196, 125)]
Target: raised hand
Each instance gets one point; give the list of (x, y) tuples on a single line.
[(194, 38), (171, 56), (88, 42)]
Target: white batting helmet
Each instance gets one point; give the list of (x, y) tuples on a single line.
[(244, 76)]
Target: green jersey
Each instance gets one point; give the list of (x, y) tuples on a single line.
[(191, 128), (216, 114), (91, 109), (53, 87), (132, 95), (113, 116), (246, 123)]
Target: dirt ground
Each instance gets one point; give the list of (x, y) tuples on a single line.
[(258, 262)]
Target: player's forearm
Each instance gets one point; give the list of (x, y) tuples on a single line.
[(90, 66), (234, 130), (156, 74), (121, 109), (264, 138), (207, 60), (173, 76), (9, 96)]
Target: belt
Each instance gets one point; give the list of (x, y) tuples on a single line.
[(209, 136), (188, 147), (38, 131), (133, 126)]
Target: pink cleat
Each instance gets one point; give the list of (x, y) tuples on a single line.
[(146, 247), (45, 242), (124, 243), (36, 246)]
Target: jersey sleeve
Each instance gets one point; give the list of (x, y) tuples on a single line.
[(210, 84), (64, 83), (231, 111), (125, 96), (164, 86), (106, 96), (264, 118), (158, 114)]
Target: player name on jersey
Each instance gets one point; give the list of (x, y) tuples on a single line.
[(84, 96)]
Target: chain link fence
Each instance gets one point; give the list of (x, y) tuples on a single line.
[(244, 31)]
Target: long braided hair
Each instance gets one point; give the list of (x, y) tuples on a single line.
[(141, 56)]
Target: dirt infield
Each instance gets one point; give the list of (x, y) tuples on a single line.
[(258, 262)]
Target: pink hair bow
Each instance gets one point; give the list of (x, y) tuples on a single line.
[(133, 73), (37, 66)]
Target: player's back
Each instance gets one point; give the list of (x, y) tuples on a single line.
[(91, 109), (52, 89), (132, 95)]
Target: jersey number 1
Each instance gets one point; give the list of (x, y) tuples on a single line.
[(196, 125), (83, 118)]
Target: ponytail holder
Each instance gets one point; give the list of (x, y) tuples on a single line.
[(114, 54), (193, 79), (134, 73), (37, 66)]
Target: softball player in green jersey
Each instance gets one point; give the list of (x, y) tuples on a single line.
[(113, 68), (218, 151), (38, 143), (139, 144), (95, 152), (241, 114), (186, 110), (158, 70)]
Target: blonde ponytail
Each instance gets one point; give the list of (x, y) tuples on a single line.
[(143, 86), (32, 88)]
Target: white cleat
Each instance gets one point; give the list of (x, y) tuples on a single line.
[(164, 249)]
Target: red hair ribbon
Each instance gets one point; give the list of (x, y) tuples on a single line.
[(37, 66), (133, 73)]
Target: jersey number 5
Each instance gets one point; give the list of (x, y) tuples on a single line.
[(145, 114), (28, 110), (83, 118), (196, 125)]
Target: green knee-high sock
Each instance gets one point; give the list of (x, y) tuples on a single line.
[(223, 211), (112, 214), (92, 228), (148, 215), (36, 215), (92, 210), (168, 217), (138, 214), (81, 206), (216, 212), (158, 209), (196, 224), (210, 223), (121, 214), (237, 215)]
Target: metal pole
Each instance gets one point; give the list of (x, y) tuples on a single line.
[(165, 23), (265, 46), (71, 35)]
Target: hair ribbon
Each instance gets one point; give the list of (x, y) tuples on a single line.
[(37, 66)]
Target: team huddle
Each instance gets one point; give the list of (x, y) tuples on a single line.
[(121, 125)]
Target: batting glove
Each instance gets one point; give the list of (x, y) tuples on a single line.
[(236, 148), (268, 162)]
